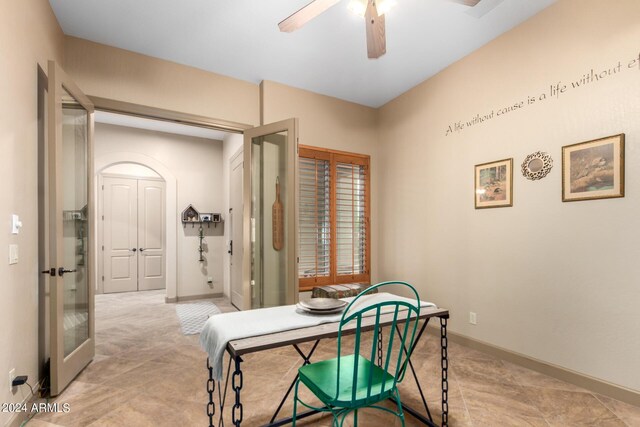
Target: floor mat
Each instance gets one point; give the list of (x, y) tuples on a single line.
[(194, 315)]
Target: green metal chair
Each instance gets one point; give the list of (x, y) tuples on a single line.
[(352, 381)]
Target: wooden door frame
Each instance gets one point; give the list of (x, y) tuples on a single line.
[(149, 112)]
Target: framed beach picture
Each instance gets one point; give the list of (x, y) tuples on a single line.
[(593, 169), (494, 184)]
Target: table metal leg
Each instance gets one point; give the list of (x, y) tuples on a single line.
[(222, 395), (409, 353), (306, 360), (236, 384), (445, 368)]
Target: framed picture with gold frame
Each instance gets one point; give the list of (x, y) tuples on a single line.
[(494, 184), (593, 169)]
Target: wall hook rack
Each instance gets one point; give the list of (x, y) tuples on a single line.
[(191, 216)]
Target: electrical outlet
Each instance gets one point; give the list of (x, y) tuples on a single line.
[(13, 254), (12, 375), (473, 318)]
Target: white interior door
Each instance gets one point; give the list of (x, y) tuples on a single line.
[(151, 239), (120, 234), (235, 219), (134, 234)]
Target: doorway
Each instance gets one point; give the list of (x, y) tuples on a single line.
[(133, 232)]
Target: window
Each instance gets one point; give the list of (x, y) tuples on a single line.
[(334, 234)]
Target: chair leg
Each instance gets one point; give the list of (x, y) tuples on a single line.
[(295, 403), (344, 414), (399, 404)]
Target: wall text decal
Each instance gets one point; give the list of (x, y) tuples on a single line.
[(554, 91)]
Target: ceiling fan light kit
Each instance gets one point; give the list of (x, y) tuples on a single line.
[(358, 7), (385, 6), (374, 13)]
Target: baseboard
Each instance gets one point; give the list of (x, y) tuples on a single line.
[(581, 380), (19, 418), (193, 297)]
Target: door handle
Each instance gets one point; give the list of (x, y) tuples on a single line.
[(230, 251), (141, 249), (133, 249), (50, 272), (62, 270)]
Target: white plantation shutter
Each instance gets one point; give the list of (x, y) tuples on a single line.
[(333, 212), (350, 219), (314, 219)]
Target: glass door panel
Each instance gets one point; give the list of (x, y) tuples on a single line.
[(71, 272), (75, 124), (271, 203)]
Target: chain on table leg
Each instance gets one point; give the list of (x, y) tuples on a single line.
[(211, 387), (236, 384), (380, 346), (445, 372), (237, 418), (236, 387)]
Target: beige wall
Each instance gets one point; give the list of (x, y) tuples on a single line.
[(555, 281), (29, 35), (196, 164), (330, 123), (113, 73)]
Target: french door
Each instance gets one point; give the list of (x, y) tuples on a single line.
[(235, 225), (70, 229), (270, 275), (134, 229)]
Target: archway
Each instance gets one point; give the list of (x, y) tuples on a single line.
[(115, 158)]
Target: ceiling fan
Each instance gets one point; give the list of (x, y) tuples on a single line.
[(373, 11)]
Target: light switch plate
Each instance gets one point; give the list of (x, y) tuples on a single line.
[(13, 254), (16, 224)]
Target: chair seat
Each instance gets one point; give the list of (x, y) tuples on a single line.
[(320, 378)]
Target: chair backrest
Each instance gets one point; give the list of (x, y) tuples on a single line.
[(397, 342)]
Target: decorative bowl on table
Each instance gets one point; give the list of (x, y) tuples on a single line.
[(322, 305)]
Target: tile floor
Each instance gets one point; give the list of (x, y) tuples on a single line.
[(146, 373)]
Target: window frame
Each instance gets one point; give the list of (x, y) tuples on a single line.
[(334, 157)]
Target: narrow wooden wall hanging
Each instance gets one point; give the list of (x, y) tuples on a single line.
[(278, 218)]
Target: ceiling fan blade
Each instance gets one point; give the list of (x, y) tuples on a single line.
[(478, 8), (470, 3), (483, 7), (376, 35), (304, 15)]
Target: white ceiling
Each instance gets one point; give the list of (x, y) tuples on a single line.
[(240, 38), (157, 125)]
